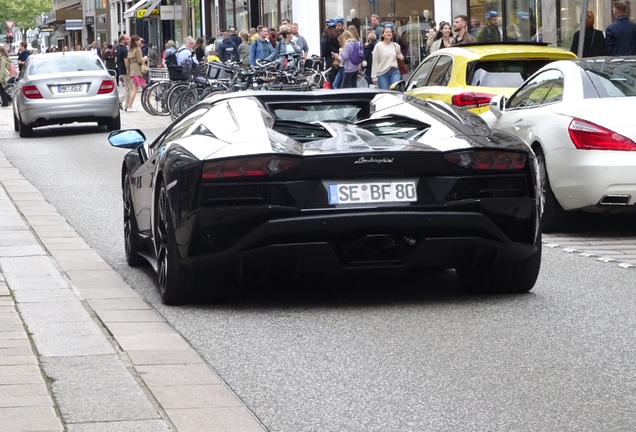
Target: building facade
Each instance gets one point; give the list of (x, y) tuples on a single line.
[(552, 21)]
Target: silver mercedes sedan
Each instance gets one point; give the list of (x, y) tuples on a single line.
[(64, 87)]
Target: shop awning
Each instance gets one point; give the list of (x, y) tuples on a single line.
[(152, 4), (129, 13)]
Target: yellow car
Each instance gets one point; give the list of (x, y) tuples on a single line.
[(469, 76)]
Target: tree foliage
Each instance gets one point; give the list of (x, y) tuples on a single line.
[(23, 12)]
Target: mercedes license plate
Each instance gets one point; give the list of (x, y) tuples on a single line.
[(371, 193), (70, 88)]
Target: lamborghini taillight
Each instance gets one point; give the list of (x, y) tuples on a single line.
[(256, 166), (487, 160)]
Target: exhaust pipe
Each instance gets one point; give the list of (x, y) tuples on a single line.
[(615, 200)]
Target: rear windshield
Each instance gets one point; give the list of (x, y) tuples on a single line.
[(611, 79), (43, 65), (311, 113), (502, 73)]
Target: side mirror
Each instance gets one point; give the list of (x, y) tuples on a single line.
[(498, 105), (399, 86), (128, 139)]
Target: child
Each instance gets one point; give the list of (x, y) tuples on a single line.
[(213, 57)]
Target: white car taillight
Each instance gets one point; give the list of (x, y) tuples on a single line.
[(589, 136)]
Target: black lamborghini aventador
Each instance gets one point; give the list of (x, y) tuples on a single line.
[(254, 185)]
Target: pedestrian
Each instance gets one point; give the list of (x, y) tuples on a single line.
[(144, 52), (385, 71), (620, 36), (94, 49), (121, 59), (368, 55), (594, 42), (4, 76), (329, 46), (286, 51), (244, 49), (490, 33), (431, 36), (169, 48), (262, 47), (109, 59), (227, 50), (185, 54), (253, 34), (273, 37), (199, 49), (23, 55), (153, 56), (135, 60), (375, 26), (350, 68), (235, 38), (300, 41), (460, 24), (444, 38), (211, 46)]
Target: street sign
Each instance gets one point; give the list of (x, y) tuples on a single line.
[(9, 24)]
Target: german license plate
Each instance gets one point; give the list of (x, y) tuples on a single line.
[(373, 192), (70, 88)]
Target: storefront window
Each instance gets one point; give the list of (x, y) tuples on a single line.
[(517, 20), (236, 15), (286, 10), (270, 13), (571, 19)]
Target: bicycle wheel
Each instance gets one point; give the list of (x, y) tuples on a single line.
[(154, 98), (189, 98), (174, 93), (362, 81)]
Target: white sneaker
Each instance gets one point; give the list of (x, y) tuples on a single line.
[(131, 110)]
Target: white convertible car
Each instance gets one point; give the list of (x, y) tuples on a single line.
[(580, 119)]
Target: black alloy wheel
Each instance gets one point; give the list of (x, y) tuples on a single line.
[(132, 242), (113, 124), (173, 281), (16, 123), (554, 217)]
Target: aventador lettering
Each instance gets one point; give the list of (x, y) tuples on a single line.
[(364, 160)]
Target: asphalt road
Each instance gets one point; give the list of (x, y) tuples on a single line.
[(386, 356)]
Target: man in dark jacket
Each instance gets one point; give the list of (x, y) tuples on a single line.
[(620, 36), (490, 33), (227, 49), (235, 38)]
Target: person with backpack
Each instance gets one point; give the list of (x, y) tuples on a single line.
[(351, 56), (261, 48)]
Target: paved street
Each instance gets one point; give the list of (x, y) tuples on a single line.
[(386, 356)]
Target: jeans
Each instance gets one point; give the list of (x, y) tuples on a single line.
[(337, 83), (391, 77)]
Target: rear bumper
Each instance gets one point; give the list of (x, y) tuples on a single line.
[(337, 243), (580, 178), (44, 112)]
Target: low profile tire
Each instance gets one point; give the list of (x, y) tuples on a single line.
[(25, 131), (554, 218), (174, 284), (132, 241), (16, 123), (507, 277), (114, 124)]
